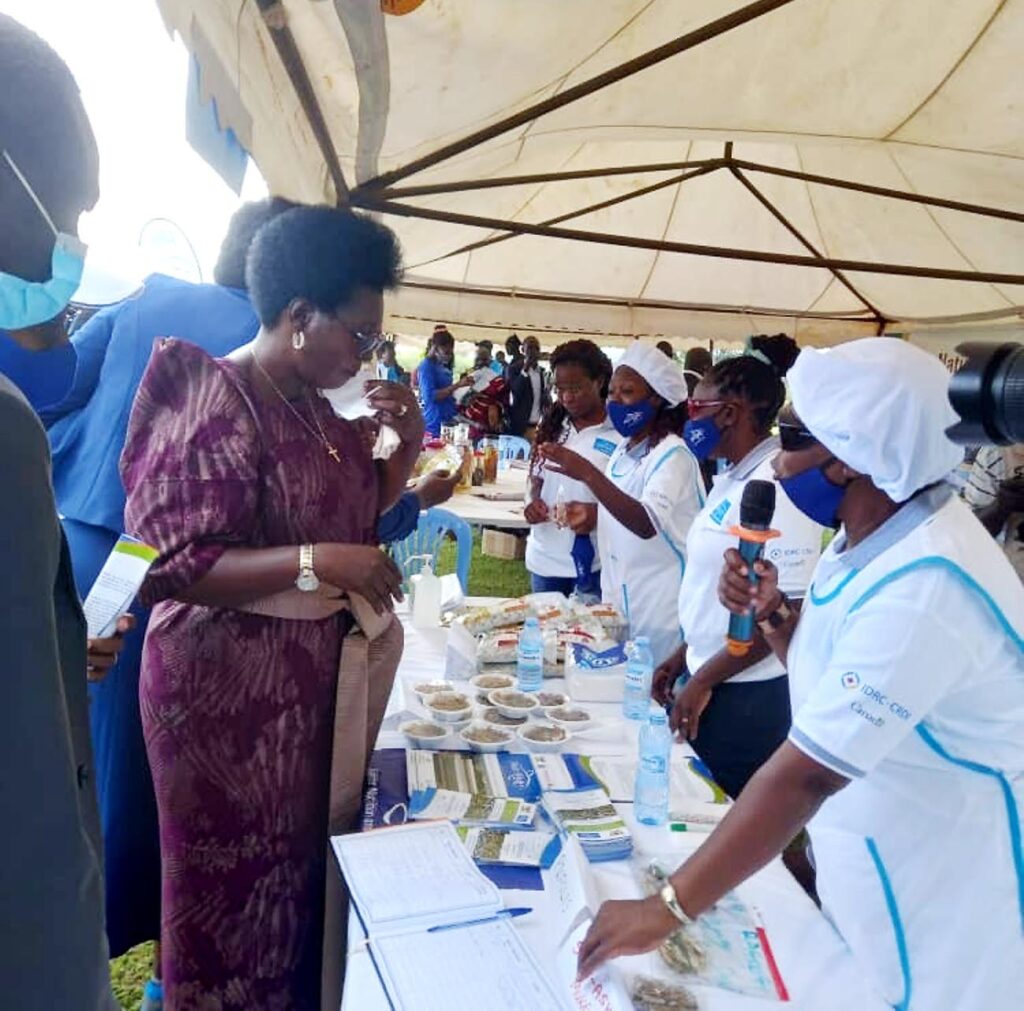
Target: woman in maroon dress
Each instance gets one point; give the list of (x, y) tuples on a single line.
[(234, 469)]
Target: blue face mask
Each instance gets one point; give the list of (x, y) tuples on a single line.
[(28, 303), (702, 435), (629, 419), (815, 495)]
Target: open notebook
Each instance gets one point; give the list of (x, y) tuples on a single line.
[(404, 881)]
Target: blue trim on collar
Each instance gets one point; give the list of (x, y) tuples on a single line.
[(831, 594), (906, 519), (741, 470), (938, 562)]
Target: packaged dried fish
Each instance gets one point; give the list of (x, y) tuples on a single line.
[(650, 994)]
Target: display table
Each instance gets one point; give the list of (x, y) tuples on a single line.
[(817, 968), (480, 511)]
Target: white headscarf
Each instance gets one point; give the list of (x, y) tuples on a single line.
[(880, 405), (659, 371)]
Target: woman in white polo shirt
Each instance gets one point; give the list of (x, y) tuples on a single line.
[(647, 497), (559, 557), (735, 710)]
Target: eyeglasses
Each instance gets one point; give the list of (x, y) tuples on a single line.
[(367, 341), (795, 437), (694, 407)]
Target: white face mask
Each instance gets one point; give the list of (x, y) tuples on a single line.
[(349, 401), (28, 303)]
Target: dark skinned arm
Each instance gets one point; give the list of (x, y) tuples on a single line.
[(242, 575), (775, 805)]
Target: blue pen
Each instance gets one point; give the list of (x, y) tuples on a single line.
[(505, 914)]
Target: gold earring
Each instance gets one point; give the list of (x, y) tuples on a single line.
[(298, 340)]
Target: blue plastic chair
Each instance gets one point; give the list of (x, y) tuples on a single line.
[(513, 447), (434, 527)]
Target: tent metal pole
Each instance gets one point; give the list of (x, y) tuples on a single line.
[(633, 303), (692, 249), (622, 198), (276, 21), (801, 238), (690, 40), (462, 185), (882, 191)]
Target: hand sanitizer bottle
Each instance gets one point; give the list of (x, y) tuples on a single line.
[(426, 596)]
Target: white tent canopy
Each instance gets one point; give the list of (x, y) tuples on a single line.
[(825, 167)]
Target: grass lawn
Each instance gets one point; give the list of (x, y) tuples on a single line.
[(488, 577), (129, 974)]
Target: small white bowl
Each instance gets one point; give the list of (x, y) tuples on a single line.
[(563, 699), (491, 716), (559, 715), (505, 734), (430, 741), (440, 706), (424, 689), (526, 736), (502, 698), (487, 683)]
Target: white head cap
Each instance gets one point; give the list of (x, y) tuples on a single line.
[(879, 405), (659, 371)]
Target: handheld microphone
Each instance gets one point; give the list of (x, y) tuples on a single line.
[(754, 531)]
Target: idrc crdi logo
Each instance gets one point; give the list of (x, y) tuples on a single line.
[(850, 680)]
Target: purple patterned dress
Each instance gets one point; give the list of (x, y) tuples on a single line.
[(238, 708)]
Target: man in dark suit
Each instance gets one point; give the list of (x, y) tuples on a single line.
[(51, 891), (528, 389)]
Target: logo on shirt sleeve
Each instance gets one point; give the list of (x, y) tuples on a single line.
[(850, 680), (720, 512)]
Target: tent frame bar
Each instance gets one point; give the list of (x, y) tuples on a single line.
[(275, 19), (636, 242), (690, 40), (461, 185), (882, 191), (567, 175), (800, 237), (631, 303), (709, 166)]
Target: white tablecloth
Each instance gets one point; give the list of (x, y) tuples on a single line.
[(483, 512), (816, 966)]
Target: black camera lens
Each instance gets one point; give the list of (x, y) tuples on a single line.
[(988, 394)]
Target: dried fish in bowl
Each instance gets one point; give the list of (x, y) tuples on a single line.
[(649, 994)]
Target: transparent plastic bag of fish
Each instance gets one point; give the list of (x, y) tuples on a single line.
[(608, 615), (584, 631), (501, 615), (681, 950), (498, 647)]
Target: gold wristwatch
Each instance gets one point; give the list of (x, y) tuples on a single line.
[(668, 896), (774, 621), (307, 580)]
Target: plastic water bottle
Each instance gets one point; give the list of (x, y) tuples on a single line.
[(650, 797), (530, 657), (636, 699)]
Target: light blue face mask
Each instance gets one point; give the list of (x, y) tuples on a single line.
[(28, 303)]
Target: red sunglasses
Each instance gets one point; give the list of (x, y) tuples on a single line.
[(694, 407)]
